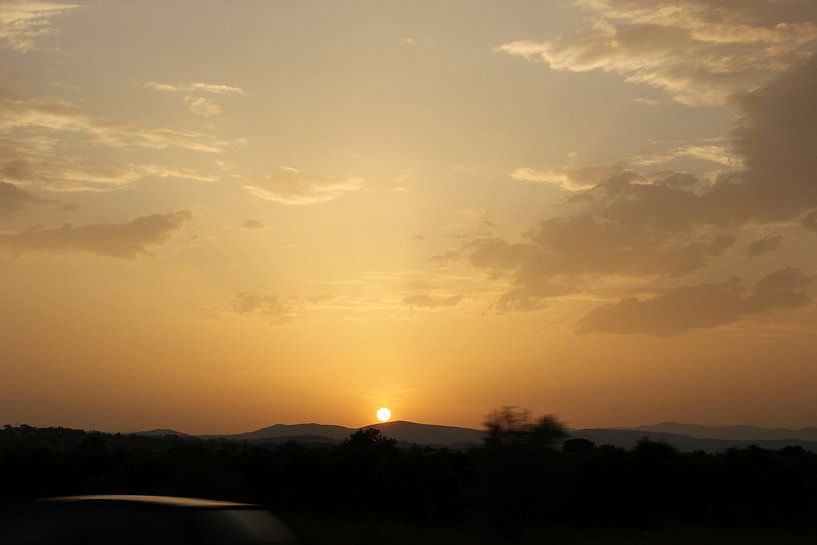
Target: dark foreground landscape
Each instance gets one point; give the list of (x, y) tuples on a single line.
[(524, 484)]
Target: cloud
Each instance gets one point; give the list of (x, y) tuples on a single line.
[(61, 172), (530, 297), (202, 106), (687, 308), (575, 199), (23, 23), (42, 143), (33, 114), (290, 186), (253, 224), (121, 240), (212, 88), (199, 105), (564, 252), (275, 309), (767, 243), (671, 223), (775, 137), (569, 178), (431, 302), (809, 221), (720, 155), (700, 52), (14, 199)]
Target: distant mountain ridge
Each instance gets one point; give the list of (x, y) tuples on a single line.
[(685, 437), (738, 432), (286, 430), (408, 432)]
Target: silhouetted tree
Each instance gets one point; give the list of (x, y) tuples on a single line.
[(579, 445), (515, 427), (370, 438)]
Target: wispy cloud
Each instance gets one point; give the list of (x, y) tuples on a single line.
[(291, 186), (16, 113), (569, 178), (211, 88), (202, 106), (23, 23), (56, 172)]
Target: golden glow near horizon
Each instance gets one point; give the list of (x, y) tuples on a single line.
[(383, 414), (604, 210)]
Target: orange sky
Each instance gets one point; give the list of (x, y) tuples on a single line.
[(219, 216)]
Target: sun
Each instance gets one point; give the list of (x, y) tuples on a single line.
[(383, 414)]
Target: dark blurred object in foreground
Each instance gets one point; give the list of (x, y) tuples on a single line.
[(141, 520)]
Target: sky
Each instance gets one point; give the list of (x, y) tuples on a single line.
[(218, 216)]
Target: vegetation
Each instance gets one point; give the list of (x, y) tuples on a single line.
[(525, 478)]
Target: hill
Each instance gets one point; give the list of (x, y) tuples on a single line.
[(405, 432), (161, 432), (740, 433), (428, 434)]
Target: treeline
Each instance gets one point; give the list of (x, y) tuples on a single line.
[(525, 475)]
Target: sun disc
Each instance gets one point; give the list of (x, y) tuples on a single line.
[(383, 414)]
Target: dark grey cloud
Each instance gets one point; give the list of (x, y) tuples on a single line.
[(767, 243), (687, 308), (121, 240)]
